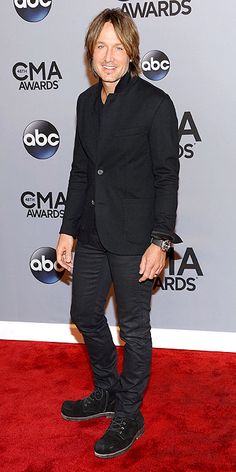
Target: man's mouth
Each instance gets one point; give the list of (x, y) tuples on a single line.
[(108, 67)]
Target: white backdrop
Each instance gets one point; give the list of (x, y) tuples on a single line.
[(42, 73)]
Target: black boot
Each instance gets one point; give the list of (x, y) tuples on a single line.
[(98, 403), (120, 436)]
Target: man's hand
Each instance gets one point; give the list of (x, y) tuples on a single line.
[(152, 262), (64, 251)]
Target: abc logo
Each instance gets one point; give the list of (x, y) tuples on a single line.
[(155, 65), (44, 266), (41, 139), (32, 10)]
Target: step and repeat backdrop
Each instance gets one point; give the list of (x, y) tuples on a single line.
[(186, 49)]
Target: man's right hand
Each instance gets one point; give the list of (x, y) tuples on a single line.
[(64, 251)]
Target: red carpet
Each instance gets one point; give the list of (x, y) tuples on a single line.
[(189, 409)]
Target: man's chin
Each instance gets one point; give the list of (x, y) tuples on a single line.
[(110, 80)]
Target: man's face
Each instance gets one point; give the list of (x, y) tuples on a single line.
[(110, 60)]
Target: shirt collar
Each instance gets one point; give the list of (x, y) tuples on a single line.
[(123, 82)]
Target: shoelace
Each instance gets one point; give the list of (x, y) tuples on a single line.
[(96, 395), (118, 424)]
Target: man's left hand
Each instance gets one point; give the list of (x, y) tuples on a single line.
[(152, 262)]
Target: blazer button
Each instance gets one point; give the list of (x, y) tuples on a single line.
[(93, 202), (100, 171)]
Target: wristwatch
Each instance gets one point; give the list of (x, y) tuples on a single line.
[(164, 244)]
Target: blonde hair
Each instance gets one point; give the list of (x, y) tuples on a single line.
[(126, 31)]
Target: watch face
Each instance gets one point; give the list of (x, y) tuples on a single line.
[(166, 245)]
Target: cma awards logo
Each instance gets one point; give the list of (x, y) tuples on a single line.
[(188, 136), (183, 272), (43, 206), (37, 77), (155, 65), (44, 266), (41, 139), (157, 8), (32, 10)]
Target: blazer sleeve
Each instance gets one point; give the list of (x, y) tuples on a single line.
[(164, 146), (77, 186)]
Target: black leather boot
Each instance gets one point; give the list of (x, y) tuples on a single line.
[(120, 436), (98, 403)]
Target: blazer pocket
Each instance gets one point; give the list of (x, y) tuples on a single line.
[(139, 215), (130, 131)]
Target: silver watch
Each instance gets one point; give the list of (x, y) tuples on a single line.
[(164, 244)]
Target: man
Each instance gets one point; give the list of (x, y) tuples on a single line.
[(121, 205)]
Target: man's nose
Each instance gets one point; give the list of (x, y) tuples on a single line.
[(108, 55)]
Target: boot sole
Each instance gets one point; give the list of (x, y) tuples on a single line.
[(108, 414), (121, 451)]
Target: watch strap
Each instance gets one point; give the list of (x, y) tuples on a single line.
[(164, 244)]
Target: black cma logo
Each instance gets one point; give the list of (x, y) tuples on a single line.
[(188, 128), (176, 279), (157, 8), (32, 77), (43, 206)]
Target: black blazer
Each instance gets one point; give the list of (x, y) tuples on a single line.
[(130, 161)]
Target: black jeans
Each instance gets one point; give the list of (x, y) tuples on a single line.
[(95, 269)]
